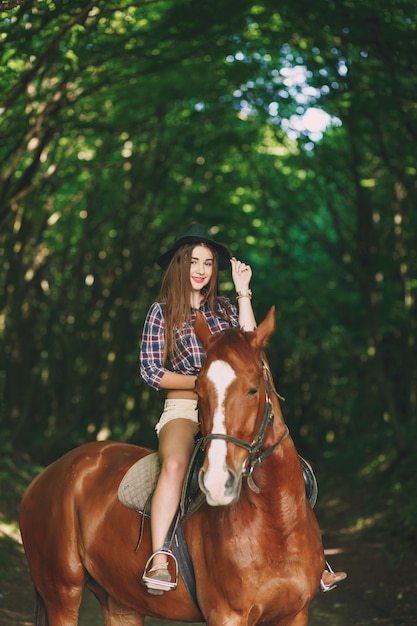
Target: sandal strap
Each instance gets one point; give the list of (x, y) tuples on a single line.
[(158, 567)]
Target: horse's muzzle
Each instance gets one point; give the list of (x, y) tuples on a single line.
[(222, 488)]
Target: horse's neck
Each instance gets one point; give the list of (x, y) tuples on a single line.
[(281, 477)]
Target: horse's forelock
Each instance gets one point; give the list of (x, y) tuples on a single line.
[(235, 347)]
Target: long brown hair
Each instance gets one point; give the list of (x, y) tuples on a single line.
[(176, 291)]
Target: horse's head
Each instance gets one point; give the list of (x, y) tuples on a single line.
[(235, 408)]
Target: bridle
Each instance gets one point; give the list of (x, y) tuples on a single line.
[(255, 456)]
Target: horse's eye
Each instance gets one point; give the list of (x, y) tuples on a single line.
[(252, 391)]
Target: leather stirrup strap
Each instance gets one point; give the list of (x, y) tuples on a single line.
[(171, 531)]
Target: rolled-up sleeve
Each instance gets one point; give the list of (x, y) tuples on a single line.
[(152, 347)]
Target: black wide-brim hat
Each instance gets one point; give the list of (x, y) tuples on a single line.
[(195, 234)]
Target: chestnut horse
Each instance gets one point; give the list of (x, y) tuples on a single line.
[(255, 544)]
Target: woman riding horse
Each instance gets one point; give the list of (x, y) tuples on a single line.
[(190, 284), (255, 545)]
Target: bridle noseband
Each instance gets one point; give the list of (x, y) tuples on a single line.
[(255, 457)]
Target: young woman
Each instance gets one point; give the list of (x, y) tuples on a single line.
[(190, 283)]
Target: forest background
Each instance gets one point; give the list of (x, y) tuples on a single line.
[(289, 130)]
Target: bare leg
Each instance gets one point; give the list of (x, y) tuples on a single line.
[(176, 445)]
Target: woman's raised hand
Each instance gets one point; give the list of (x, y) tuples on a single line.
[(241, 274)]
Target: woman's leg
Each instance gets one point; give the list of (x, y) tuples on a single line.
[(176, 445)]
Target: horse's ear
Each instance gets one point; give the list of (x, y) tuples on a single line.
[(265, 329), (202, 330)]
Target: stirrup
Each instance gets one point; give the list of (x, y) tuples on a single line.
[(162, 585), (323, 585)]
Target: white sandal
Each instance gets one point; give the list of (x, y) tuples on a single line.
[(158, 579)]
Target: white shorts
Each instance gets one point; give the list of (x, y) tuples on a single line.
[(173, 409)]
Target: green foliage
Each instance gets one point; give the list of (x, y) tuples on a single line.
[(121, 122)]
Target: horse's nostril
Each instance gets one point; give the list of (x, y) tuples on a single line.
[(230, 483)]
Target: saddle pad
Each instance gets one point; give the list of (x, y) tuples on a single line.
[(139, 482)]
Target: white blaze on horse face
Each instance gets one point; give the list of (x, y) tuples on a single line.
[(221, 376)]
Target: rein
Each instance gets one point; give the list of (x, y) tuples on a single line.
[(254, 458)]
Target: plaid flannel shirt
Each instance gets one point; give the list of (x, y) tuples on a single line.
[(190, 353)]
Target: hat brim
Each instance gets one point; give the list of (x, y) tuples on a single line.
[(222, 252)]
